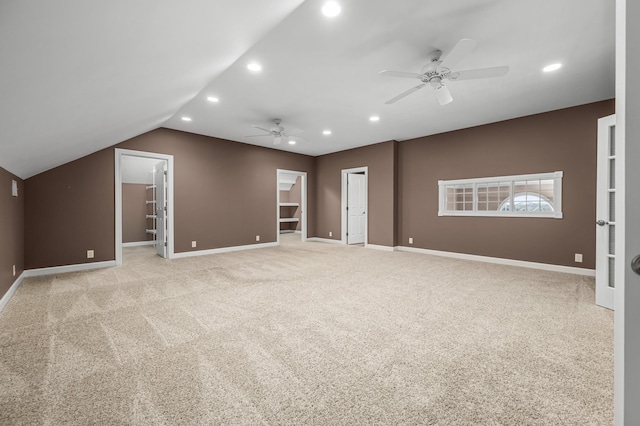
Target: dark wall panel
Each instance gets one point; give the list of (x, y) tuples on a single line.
[(69, 210), (11, 230), (563, 140), (379, 159)]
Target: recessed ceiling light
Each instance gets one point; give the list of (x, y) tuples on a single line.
[(292, 142), (552, 67), (331, 9), (326, 132), (254, 66), (212, 99), (374, 118), (186, 118)]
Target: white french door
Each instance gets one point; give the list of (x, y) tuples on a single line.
[(606, 213)]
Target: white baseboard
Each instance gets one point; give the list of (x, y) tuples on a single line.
[(501, 261), (139, 243), (377, 247), (324, 240), (7, 296), (68, 268), (222, 250)]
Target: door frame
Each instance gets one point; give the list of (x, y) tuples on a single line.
[(605, 295), (119, 153), (303, 198), (343, 206)]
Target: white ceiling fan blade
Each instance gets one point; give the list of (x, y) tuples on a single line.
[(460, 50), (255, 136), (400, 74), (443, 94), (262, 128), (478, 73), (403, 94)]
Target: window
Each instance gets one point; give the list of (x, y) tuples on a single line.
[(537, 195)]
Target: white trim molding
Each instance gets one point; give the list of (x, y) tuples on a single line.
[(69, 268), (222, 250), (474, 185), (303, 202), (9, 294), (502, 261), (118, 154), (343, 202), (378, 247)]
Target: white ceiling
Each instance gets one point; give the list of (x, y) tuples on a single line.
[(79, 76)]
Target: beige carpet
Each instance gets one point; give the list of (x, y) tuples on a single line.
[(306, 334)]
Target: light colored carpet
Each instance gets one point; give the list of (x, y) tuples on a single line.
[(306, 333)]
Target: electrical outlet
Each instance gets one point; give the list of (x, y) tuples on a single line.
[(89, 254), (330, 234), (410, 240), (14, 270), (193, 244), (578, 257), (257, 237)]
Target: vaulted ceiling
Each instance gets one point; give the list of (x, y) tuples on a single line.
[(78, 76)]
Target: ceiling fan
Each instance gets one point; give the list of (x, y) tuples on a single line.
[(439, 70), (278, 132)]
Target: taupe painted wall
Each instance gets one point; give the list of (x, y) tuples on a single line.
[(380, 160), (563, 140), (225, 195), (11, 230), (69, 210), (134, 212)]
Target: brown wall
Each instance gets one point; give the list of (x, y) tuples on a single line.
[(380, 160), (11, 230), (69, 210), (134, 212), (225, 195), (563, 140)]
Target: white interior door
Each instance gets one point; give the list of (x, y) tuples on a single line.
[(356, 208), (160, 180), (606, 213)]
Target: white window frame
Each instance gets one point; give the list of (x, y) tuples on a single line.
[(557, 195)]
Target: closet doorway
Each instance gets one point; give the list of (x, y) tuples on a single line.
[(291, 204), (355, 205), (143, 201)]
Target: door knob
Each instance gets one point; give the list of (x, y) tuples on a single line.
[(635, 264), (601, 222)]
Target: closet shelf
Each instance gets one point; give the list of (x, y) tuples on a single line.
[(151, 202), (289, 204), (289, 219), (151, 231), (151, 187), (152, 216)]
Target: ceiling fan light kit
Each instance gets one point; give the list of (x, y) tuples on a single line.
[(438, 71)]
